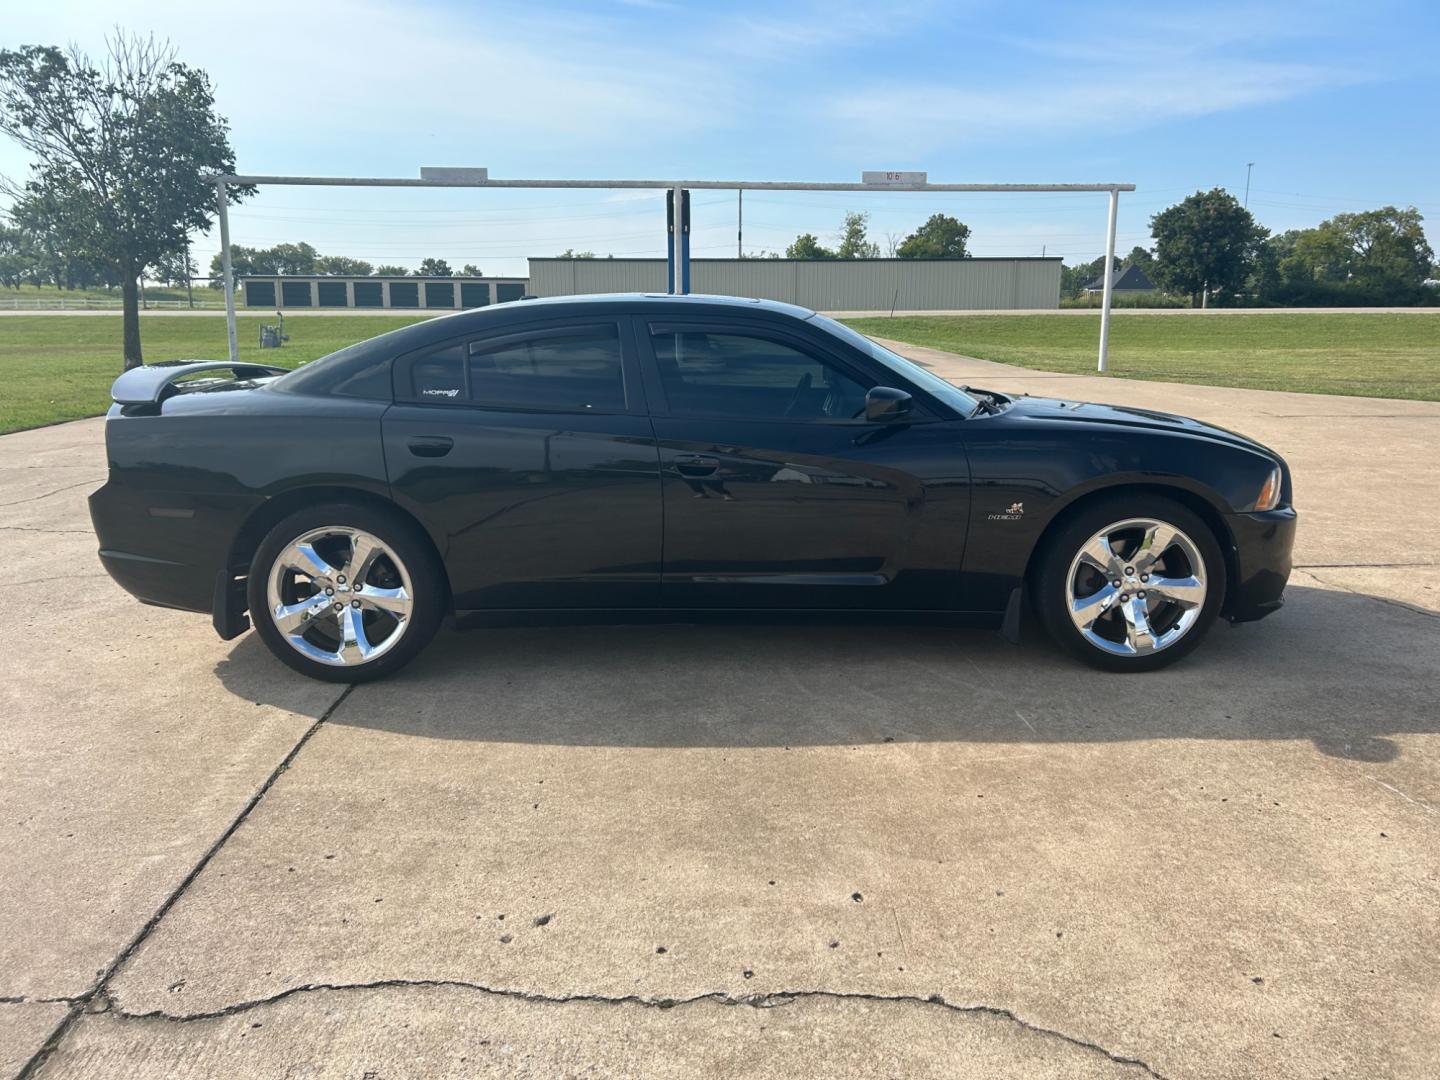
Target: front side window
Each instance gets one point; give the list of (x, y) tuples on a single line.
[(705, 373)]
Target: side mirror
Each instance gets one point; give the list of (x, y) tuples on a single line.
[(885, 404)]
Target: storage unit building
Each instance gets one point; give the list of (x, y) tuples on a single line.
[(824, 285), (285, 291)]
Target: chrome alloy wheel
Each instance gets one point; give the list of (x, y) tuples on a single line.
[(339, 596), (1136, 587)]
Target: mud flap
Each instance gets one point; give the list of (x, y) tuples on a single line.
[(1014, 610), (227, 611)]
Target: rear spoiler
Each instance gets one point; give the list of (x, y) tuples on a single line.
[(149, 383)]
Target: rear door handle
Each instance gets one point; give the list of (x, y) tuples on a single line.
[(431, 445), (696, 464)]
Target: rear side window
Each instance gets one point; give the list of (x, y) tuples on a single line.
[(571, 369), (568, 370), (440, 376)]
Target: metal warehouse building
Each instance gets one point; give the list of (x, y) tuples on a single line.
[(824, 285), (279, 293)]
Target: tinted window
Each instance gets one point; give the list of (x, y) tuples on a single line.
[(440, 376), (927, 380), (577, 369), (740, 375)]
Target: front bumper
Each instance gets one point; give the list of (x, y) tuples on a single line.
[(1260, 563)]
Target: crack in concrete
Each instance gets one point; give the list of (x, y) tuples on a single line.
[(58, 577), (31, 528), (771, 1000), (96, 999), (21, 999), (57, 491), (1360, 565), (1401, 604)]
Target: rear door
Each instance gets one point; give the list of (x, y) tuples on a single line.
[(529, 455), (777, 493)]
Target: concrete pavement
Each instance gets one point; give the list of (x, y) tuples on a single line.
[(740, 850)]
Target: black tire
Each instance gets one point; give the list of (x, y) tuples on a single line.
[(406, 548), (1052, 585)]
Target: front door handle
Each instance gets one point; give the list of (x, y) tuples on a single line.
[(431, 445), (696, 464)]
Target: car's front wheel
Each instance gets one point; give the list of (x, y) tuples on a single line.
[(1131, 584), (345, 592)]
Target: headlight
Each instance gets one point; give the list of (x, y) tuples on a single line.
[(1269, 497)]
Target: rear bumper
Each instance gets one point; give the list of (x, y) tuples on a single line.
[(159, 581), (165, 548), (1261, 563)]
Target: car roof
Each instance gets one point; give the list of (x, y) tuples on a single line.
[(596, 302), (325, 374)]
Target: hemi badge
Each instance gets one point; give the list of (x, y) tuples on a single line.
[(171, 512)]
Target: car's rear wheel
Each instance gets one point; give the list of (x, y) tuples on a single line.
[(345, 593), (1131, 583)]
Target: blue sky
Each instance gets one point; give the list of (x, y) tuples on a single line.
[(1335, 104)]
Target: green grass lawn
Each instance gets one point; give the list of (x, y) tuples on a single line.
[(57, 367), (60, 367), (1368, 355)]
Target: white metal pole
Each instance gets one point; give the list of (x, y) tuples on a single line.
[(221, 201), (740, 223), (1109, 280)]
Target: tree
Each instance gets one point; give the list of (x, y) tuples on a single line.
[(1075, 279), (1389, 249), (854, 244), (387, 270), (1372, 257), (471, 270), (806, 246), (570, 253), (1206, 242), (942, 237), (342, 266), (17, 257), (297, 259), (434, 268), (121, 151), (1142, 258)]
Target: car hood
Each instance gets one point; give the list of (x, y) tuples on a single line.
[(1125, 416)]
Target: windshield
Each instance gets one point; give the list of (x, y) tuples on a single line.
[(912, 372)]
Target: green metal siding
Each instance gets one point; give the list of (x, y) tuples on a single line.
[(332, 294), (440, 294), (507, 290), (369, 294), (259, 293), (473, 294), (295, 293), (404, 294), (848, 285)]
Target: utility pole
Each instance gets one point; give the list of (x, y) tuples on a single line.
[(1249, 167)]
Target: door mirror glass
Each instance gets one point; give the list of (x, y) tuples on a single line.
[(885, 404)]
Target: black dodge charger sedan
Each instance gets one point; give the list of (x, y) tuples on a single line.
[(636, 455)]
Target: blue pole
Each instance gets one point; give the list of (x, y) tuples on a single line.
[(670, 241), (684, 241)]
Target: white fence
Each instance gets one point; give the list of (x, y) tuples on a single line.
[(61, 303)]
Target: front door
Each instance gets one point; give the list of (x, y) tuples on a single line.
[(530, 455), (777, 493)]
